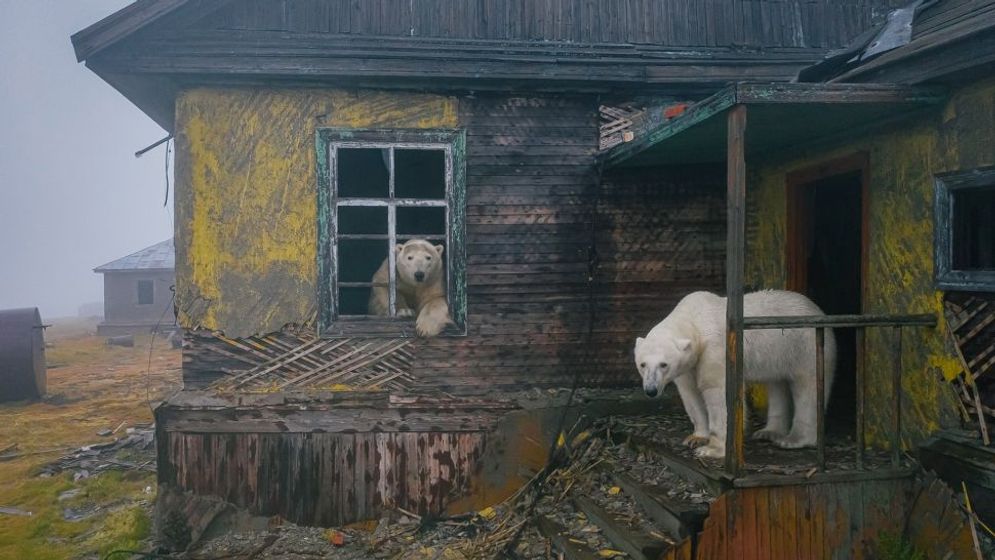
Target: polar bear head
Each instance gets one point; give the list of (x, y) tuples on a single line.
[(419, 263), (661, 360)]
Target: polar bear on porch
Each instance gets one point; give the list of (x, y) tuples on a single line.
[(688, 349), (421, 290)]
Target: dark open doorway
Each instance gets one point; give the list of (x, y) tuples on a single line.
[(826, 256)]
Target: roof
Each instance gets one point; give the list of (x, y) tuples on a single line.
[(152, 49), (779, 117), (923, 41), (156, 257)]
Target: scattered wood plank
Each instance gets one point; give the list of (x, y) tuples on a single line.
[(15, 511)]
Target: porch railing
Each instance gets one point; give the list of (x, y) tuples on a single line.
[(734, 455)]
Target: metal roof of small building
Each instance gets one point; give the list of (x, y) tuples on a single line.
[(156, 257)]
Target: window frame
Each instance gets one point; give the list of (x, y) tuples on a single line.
[(453, 142), (138, 291), (946, 185)]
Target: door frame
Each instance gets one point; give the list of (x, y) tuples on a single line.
[(795, 184)]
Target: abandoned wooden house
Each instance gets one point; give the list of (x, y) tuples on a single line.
[(583, 165), (138, 291)]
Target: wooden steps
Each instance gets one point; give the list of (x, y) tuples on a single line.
[(677, 519), (561, 540), (636, 545), (713, 481)]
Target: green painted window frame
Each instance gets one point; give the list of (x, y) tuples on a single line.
[(946, 186), (329, 323)]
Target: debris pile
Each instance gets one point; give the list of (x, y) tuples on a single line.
[(134, 451), (597, 498)]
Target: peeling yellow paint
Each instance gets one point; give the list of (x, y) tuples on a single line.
[(246, 196), (903, 159)]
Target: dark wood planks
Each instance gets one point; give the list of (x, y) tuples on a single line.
[(823, 23)]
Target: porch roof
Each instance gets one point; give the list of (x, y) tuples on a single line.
[(781, 116)]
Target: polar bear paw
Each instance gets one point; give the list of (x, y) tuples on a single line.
[(768, 435), (794, 441), (426, 326), (710, 451), (695, 441)]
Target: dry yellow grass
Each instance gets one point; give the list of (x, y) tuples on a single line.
[(91, 387)]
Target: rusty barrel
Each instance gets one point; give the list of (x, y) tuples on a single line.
[(22, 354)]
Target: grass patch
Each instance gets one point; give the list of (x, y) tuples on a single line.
[(125, 529)]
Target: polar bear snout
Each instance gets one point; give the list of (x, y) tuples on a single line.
[(420, 276), (651, 391)]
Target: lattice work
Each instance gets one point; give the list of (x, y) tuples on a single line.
[(617, 124), (293, 360), (971, 321)]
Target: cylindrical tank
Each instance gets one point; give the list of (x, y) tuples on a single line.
[(22, 354)]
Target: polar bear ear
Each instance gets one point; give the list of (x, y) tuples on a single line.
[(639, 341), (438, 249), (683, 344), (399, 248)]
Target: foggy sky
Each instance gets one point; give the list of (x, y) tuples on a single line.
[(72, 194)]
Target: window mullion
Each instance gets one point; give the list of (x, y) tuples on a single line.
[(391, 239)]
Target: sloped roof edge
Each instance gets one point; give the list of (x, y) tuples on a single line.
[(160, 256), (120, 24)]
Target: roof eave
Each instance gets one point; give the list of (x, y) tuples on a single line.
[(772, 94)]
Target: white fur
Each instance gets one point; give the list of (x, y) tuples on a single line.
[(421, 291), (688, 348)]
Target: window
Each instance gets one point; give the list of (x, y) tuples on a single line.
[(965, 230), (145, 292), (378, 191)]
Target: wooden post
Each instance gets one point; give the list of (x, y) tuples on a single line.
[(859, 382), (820, 391), (735, 249), (896, 398)]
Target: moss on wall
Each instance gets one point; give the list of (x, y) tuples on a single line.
[(903, 160), (246, 198)]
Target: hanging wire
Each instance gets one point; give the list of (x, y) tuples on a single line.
[(593, 261)]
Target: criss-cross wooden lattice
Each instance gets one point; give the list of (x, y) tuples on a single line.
[(291, 360)]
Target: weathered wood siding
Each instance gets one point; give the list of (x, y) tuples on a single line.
[(903, 161), (843, 521), (326, 479), (823, 23), (246, 245)]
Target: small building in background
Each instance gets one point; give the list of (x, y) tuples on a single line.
[(138, 291)]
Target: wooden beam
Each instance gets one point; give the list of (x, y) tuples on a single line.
[(735, 393)]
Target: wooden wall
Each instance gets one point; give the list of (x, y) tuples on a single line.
[(842, 520), (246, 224), (903, 160), (666, 22)]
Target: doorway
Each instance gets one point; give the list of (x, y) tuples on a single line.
[(827, 259)]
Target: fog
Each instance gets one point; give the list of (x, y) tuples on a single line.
[(72, 194)]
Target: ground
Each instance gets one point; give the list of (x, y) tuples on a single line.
[(91, 387)]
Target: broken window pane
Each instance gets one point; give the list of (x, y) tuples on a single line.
[(974, 228), (353, 300), (359, 259), (363, 173), (420, 174), (362, 220), (415, 221)]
